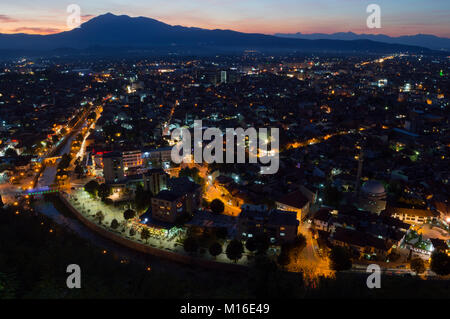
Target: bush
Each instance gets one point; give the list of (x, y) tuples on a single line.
[(129, 214), (91, 187), (250, 244), (440, 263), (114, 224), (217, 206), (283, 259), (235, 250), (215, 249), (417, 265), (340, 259), (103, 191)]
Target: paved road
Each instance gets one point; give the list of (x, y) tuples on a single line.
[(48, 175)]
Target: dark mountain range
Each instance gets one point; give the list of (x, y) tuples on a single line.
[(113, 33), (424, 40)]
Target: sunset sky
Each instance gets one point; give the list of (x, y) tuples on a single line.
[(398, 17)]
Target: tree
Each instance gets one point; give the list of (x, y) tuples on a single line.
[(283, 259), (10, 152), (215, 249), (64, 162), (332, 196), (132, 232), (440, 263), (295, 248), (300, 241), (192, 173), (250, 244), (79, 170), (417, 265), (91, 187), (129, 214), (79, 137), (114, 224), (235, 250), (340, 259), (145, 234), (100, 216), (104, 191), (217, 206), (262, 243), (92, 116), (142, 198), (190, 244)]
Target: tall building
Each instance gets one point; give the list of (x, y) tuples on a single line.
[(210, 76), (132, 160), (294, 202), (184, 197), (359, 173), (279, 226), (167, 206), (155, 180), (113, 168), (223, 76)]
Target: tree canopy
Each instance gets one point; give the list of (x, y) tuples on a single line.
[(417, 265), (234, 250), (103, 191), (215, 249), (217, 206), (129, 214), (440, 263), (340, 259), (91, 187), (332, 196)]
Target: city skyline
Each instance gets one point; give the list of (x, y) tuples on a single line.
[(251, 17), (220, 155)]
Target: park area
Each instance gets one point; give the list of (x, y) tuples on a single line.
[(180, 240)]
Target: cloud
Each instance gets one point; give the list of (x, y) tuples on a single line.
[(37, 30), (5, 18), (87, 17)]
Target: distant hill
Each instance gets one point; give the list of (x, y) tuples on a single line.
[(121, 33), (423, 40)]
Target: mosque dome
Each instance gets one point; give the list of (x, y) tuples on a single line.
[(373, 197)]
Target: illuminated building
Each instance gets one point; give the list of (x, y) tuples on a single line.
[(131, 159), (373, 197), (183, 197), (113, 168), (155, 180), (280, 226)]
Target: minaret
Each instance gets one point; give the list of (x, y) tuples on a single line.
[(360, 166)]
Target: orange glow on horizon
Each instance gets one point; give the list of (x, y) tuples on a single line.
[(272, 26)]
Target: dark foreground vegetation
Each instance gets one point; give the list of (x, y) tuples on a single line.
[(35, 252)]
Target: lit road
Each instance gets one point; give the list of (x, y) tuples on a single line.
[(48, 175), (309, 261), (213, 192)]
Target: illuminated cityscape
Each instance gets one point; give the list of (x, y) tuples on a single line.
[(88, 175)]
